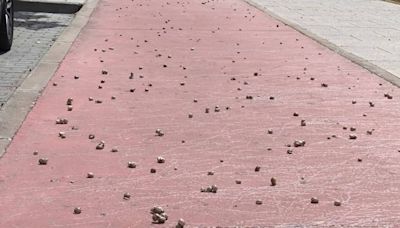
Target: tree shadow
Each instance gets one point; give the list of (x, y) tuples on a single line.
[(35, 21)]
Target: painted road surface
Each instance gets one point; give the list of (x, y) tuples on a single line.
[(233, 91)]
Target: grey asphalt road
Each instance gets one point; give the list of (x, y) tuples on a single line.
[(34, 34)]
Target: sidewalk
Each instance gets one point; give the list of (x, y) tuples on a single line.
[(229, 87)]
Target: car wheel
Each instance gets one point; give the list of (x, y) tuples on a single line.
[(6, 25)]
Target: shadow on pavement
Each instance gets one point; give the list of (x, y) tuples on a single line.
[(34, 21)]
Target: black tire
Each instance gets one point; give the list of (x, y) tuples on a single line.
[(6, 25)]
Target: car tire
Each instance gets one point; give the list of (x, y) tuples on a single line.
[(6, 25)]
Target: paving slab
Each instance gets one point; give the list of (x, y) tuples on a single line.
[(229, 87)]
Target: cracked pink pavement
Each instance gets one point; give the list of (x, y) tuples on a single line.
[(185, 57)]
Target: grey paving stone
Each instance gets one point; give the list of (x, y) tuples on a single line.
[(5, 92), (34, 34)]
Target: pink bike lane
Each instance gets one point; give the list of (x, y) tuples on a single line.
[(238, 98)]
